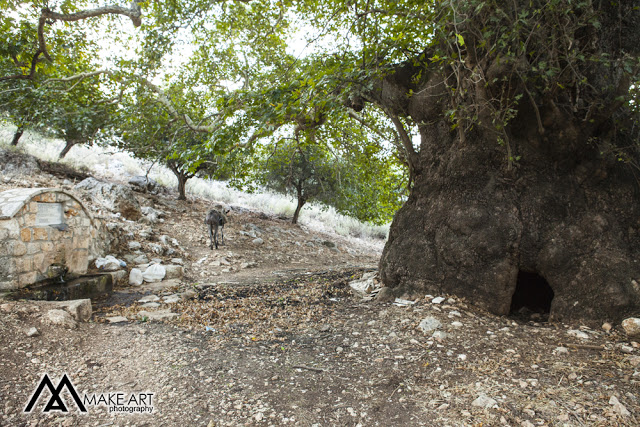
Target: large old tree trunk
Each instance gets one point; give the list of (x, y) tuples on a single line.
[(469, 227), (567, 213)]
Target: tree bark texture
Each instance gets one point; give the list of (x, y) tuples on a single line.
[(17, 136), (68, 146), (296, 214), (182, 184), (566, 211)]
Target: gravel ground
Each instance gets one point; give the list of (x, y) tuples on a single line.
[(268, 332)]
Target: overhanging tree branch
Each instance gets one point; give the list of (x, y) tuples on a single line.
[(161, 97), (48, 17), (412, 155)]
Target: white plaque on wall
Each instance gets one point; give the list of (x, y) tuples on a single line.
[(49, 214)]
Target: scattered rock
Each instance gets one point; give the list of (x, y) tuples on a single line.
[(257, 241), (174, 271), (365, 285), (632, 326), (115, 197), (171, 299), (187, 295), (439, 335), (156, 248), (58, 317), (245, 265), (144, 184), (626, 349), (561, 350), (154, 273), (116, 319), (134, 246), (618, 407), (578, 334), (33, 332), (484, 401), (141, 259), (607, 327), (437, 300), (149, 298), (80, 309), (157, 315), (429, 324), (401, 302), (151, 305)]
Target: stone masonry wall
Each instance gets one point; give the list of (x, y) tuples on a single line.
[(27, 250)]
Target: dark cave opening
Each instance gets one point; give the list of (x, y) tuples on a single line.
[(532, 297)]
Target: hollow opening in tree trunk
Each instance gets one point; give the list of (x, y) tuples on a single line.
[(532, 297)]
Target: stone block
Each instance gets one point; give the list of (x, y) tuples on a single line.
[(25, 234), (45, 198), (5, 248), (26, 279), (33, 248), (47, 246), (38, 263), (59, 318), (40, 233), (16, 248), (29, 220), (23, 264), (78, 261), (59, 257), (174, 271), (80, 309), (8, 285), (80, 240), (118, 277), (12, 228), (71, 212), (7, 267)]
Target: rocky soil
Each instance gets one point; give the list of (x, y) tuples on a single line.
[(267, 331)]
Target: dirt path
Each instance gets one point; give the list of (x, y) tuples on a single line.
[(271, 334), (308, 353)]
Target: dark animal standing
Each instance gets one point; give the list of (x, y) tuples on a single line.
[(214, 220)]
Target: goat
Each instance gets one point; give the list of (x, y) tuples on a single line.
[(216, 218)]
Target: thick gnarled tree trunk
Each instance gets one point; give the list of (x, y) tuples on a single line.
[(469, 227), (568, 211)]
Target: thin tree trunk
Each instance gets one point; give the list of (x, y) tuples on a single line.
[(66, 149), (296, 214), (182, 175), (17, 135), (182, 183)]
